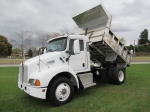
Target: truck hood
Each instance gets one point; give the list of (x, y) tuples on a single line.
[(48, 59)]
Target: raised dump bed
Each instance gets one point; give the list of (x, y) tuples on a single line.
[(105, 47)]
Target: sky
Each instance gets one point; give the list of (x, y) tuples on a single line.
[(129, 17)]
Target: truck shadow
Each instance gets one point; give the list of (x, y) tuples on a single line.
[(78, 94), (100, 84), (37, 103)]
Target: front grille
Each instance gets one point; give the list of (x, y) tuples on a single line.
[(20, 73), (23, 74)]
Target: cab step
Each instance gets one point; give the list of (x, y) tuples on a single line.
[(86, 80), (89, 85)]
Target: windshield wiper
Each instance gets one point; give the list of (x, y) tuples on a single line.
[(50, 50)]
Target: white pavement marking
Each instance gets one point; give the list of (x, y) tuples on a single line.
[(140, 62), (9, 65)]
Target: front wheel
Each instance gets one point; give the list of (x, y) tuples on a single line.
[(61, 91)]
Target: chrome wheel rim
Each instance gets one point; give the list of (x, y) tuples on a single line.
[(121, 76), (62, 91)]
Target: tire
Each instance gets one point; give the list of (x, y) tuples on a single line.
[(119, 76), (61, 91), (110, 75)]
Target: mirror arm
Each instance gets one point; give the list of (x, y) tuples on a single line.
[(41, 50), (67, 59), (69, 52)]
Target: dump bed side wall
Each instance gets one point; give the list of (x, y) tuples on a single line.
[(106, 48), (118, 47)]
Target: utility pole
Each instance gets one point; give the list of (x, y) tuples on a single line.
[(134, 47)]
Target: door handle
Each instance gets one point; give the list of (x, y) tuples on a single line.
[(83, 64)]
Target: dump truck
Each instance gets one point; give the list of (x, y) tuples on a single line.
[(65, 64)]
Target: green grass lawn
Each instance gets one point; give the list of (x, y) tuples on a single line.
[(132, 96)]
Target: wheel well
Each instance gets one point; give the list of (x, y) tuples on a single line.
[(62, 74)]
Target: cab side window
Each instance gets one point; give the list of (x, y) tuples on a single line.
[(81, 45), (71, 44)]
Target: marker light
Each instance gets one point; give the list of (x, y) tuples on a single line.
[(34, 82), (37, 82)]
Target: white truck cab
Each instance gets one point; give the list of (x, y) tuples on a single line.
[(65, 63)]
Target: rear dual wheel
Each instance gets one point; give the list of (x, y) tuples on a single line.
[(116, 75), (110, 75)]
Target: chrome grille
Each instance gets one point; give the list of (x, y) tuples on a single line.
[(23, 73), (20, 73)]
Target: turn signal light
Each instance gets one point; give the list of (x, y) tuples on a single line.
[(37, 82)]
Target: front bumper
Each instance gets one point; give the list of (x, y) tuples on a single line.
[(33, 91)]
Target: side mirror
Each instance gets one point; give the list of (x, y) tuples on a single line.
[(76, 47)]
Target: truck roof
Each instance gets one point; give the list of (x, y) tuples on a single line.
[(86, 38)]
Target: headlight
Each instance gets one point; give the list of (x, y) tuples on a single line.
[(34, 82)]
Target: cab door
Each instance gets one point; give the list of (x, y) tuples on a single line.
[(77, 61)]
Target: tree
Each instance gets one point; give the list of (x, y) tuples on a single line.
[(131, 47), (122, 40), (55, 34), (9, 49), (35, 52), (5, 46), (42, 38), (137, 49), (143, 37), (30, 54), (66, 31), (142, 48), (148, 48), (3, 49), (16, 50), (23, 41)]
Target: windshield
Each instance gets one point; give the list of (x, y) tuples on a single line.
[(57, 44)]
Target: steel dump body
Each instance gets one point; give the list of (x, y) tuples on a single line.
[(109, 50), (105, 47)]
